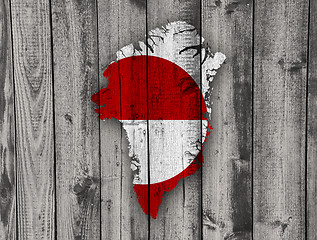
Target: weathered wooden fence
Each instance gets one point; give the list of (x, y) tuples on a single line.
[(66, 175)]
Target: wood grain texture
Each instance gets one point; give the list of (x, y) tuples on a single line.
[(94, 180), (179, 213), (7, 129), (34, 119), (227, 202), (311, 214), (74, 25), (280, 59), (120, 23)]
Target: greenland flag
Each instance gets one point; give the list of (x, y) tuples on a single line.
[(159, 91)]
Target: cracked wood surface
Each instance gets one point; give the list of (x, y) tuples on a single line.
[(227, 173), (280, 77), (34, 119), (85, 38), (75, 56)]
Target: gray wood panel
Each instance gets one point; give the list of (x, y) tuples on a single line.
[(311, 212), (34, 119), (120, 23), (280, 59), (110, 131), (227, 173), (179, 215), (75, 52), (7, 129)]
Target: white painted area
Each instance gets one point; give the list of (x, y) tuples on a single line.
[(174, 144)]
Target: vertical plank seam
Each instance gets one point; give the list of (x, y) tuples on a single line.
[(121, 136), (15, 123), (252, 118), (121, 159), (99, 140), (121, 130), (54, 122), (121, 141), (201, 135), (306, 120), (148, 127)]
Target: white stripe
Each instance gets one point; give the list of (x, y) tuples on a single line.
[(174, 144)]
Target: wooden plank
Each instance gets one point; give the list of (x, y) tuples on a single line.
[(74, 25), (120, 23), (7, 129), (312, 127), (34, 119), (227, 203), (280, 59), (179, 213)]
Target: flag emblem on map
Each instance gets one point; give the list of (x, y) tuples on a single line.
[(160, 92)]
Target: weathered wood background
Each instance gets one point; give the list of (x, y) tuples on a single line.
[(66, 175)]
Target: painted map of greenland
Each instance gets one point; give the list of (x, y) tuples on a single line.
[(160, 93)]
